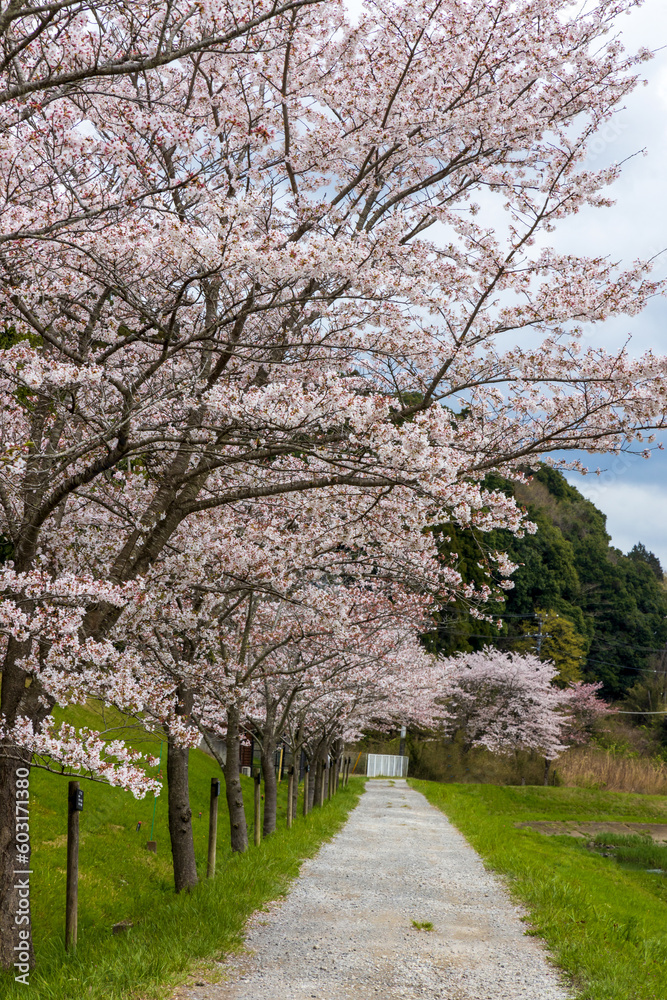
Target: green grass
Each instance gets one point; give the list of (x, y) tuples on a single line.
[(119, 880), (422, 925), (605, 926), (633, 849)]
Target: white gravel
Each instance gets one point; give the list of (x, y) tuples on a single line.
[(344, 932)]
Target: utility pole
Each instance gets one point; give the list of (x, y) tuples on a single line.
[(401, 747)]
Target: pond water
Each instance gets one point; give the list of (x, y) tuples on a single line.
[(639, 864)]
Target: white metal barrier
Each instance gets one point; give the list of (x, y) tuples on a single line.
[(386, 765)]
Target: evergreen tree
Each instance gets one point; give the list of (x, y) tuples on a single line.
[(607, 611)]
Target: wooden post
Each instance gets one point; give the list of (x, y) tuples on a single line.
[(322, 765), (258, 809), (280, 765), (212, 827), (339, 761), (305, 789), (290, 795), (74, 807), (347, 771)]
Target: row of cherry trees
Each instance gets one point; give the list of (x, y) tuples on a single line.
[(255, 335)]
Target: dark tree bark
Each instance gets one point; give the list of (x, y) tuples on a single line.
[(180, 817), (14, 880), (295, 791), (270, 786), (237, 821), (337, 754), (316, 780), (180, 814), (17, 697), (311, 784), (321, 774)]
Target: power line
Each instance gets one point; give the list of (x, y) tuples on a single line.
[(618, 711), (620, 666), (630, 645), (525, 635)]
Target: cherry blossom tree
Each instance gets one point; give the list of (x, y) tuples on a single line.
[(510, 701), (248, 263), (243, 612), (364, 664), (505, 702), (584, 707)]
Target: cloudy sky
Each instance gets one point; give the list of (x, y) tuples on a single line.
[(631, 491)]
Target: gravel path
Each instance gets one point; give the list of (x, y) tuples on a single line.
[(345, 930)]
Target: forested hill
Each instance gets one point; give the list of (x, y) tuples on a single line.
[(601, 614)]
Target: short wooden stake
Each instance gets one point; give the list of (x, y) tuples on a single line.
[(305, 790), (212, 827), (74, 807), (258, 809), (290, 794)]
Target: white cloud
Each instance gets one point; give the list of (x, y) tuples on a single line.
[(629, 491), (635, 513)]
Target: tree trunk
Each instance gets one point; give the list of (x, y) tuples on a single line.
[(180, 817), (317, 782), (306, 791), (337, 754), (16, 699), (295, 790), (547, 769), (14, 870), (312, 775), (270, 787), (237, 822)]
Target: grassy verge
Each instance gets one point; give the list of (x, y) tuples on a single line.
[(120, 881), (605, 926)]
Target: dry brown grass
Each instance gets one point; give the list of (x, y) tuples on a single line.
[(589, 767), (630, 765)]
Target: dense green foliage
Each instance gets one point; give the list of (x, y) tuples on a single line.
[(120, 881), (605, 925), (616, 604)]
